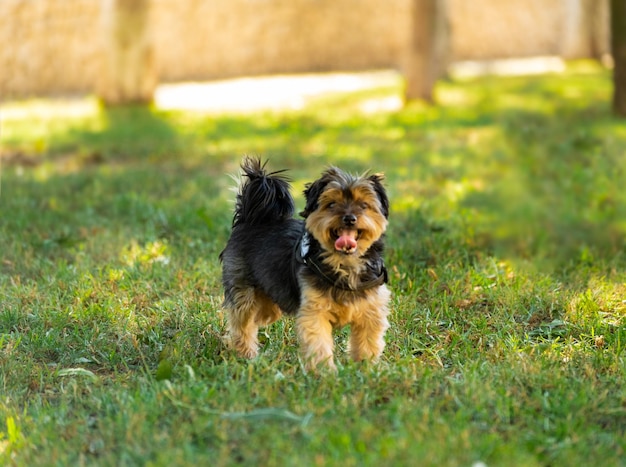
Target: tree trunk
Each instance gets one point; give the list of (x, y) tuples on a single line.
[(128, 74), (600, 30), (618, 47), (428, 49), (585, 29)]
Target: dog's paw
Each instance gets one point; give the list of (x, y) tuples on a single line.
[(242, 348), (318, 366), (248, 353)]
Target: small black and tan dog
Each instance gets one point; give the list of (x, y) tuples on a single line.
[(327, 270)]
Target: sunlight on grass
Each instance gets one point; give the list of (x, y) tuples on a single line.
[(455, 96), (245, 95), (14, 437), (50, 109), (152, 252), (601, 305)]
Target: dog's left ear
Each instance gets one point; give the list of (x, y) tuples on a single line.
[(312, 193), (376, 181)]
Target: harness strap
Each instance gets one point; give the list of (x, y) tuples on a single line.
[(303, 257)]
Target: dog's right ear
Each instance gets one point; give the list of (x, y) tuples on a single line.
[(312, 194)]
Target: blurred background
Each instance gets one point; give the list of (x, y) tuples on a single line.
[(122, 49)]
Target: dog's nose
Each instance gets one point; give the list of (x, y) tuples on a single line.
[(349, 219)]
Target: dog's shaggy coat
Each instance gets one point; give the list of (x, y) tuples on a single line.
[(327, 270)]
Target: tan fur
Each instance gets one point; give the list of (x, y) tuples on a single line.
[(320, 314)]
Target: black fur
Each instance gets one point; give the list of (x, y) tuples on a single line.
[(312, 193), (376, 180), (263, 198), (260, 251), (263, 257)]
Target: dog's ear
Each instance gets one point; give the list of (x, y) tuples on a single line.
[(376, 181), (312, 194)]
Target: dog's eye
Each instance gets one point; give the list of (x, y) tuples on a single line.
[(365, 206), (331, 205)]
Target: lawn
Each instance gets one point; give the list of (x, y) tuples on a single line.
[(506, 251)]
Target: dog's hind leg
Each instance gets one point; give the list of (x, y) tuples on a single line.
[(250, 310), (267, 311), (241, 324)]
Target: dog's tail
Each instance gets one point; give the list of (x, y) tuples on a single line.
[(263, 197)]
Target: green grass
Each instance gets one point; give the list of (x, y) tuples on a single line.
[(507, 257)]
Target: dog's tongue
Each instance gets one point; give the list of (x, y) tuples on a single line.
[(346, 241)]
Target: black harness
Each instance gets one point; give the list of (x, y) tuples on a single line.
[(304, 257)]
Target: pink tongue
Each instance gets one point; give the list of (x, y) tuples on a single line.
[(345, 243)]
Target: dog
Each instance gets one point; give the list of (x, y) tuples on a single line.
[(326, 270)]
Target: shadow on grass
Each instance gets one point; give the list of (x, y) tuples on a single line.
[(560, 195), (133, 133)]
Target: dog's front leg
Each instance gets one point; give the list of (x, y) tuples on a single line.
[(367, 338), (367, 331), (314, 330)]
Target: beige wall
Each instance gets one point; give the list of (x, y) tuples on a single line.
[(487, 29), (48, 46), (53, 46), (206, 39)]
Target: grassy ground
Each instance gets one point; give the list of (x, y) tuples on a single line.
[(506, 251)]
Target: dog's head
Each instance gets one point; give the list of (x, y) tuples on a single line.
[(344, 213)]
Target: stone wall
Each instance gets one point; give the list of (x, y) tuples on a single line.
[(55, 46)]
